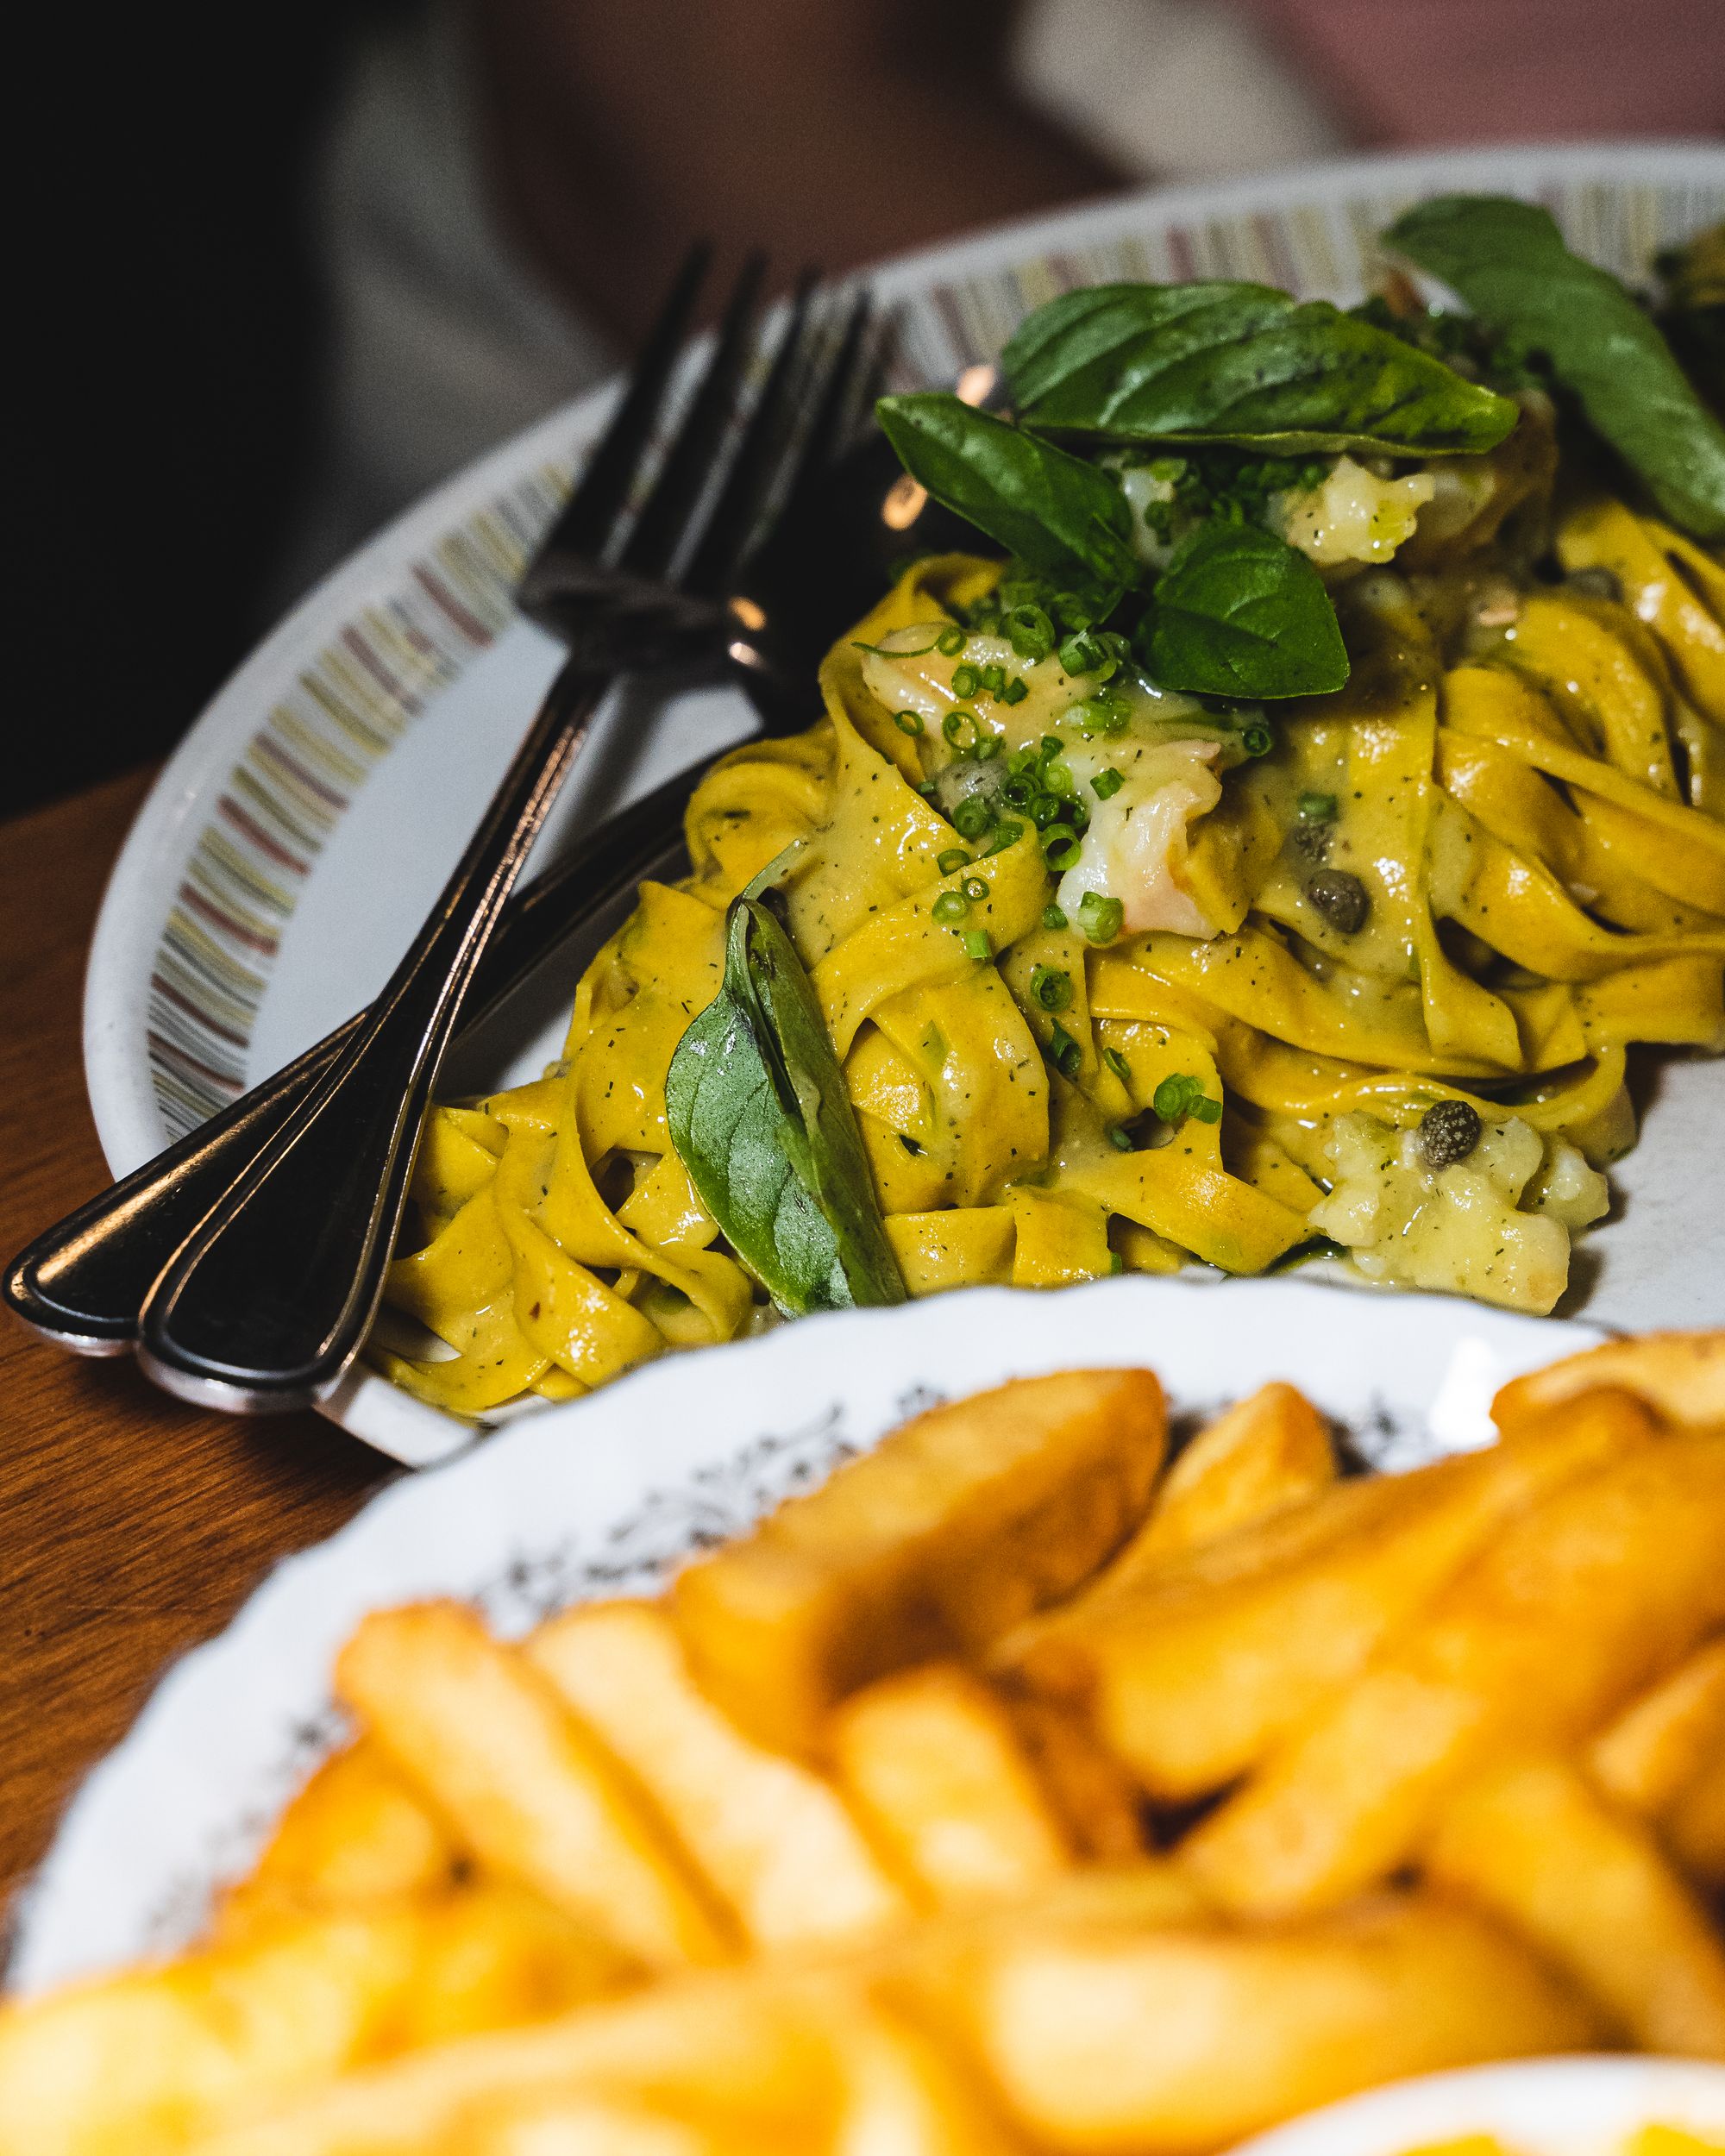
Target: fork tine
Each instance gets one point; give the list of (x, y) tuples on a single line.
[(849, 365), (663, 522), (589, 516), (759, 454)]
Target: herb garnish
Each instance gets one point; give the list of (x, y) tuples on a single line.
[(760, 1117)]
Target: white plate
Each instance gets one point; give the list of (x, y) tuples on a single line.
[(610, 1492), (291, 848), (1546, 2107)]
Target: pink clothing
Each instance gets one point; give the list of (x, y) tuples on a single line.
[(1410, 71)]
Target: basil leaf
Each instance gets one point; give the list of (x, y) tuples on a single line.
[(760, 1117), (1508, 260), (1063, 515), (1239, 612), (1240, 363)]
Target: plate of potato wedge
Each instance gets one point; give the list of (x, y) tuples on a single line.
[(1124, 1729)]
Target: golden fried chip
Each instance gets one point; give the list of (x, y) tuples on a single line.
[(774, 1837), (1693, 1824), (1576, 1606), (531, 1791), (930, 1760), (1663, 1740), (131, 2063), (953, 1529), (1094, 1797), (1191, 1676), (1587, 1885), (356, 1834), (1681, 1376), (1269, 1451), (1181, 2038)]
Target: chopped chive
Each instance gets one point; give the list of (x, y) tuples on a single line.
[(1053, 919), (950, 642), (1051, 986), (1030, 632), (1044, 809), (1121, 1139), (1106, 784), (1063, 1052), (1099, 917), (1007, 834), (908, 722), (1116, 1262), (1016, 691), (954, 723), (951, 907), (1257, 740), (986, 745), (973, 888), (1180, 1094), (1118, 1064), (1060, 850), (966, 679), (953, 859), (994, 678), (1318, 808), (972, 817), (976, 943)]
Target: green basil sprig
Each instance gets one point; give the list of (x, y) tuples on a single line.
[(1242, 365), (1063, 517), (1239, 612), (1508, 260), (760, 1117)]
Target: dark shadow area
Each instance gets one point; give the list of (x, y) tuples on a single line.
[(173, 336)]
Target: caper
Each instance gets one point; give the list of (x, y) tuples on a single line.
[(1448, 1132), (1341, 899)]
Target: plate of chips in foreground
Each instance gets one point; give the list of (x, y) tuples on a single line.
[(1120, 1723)]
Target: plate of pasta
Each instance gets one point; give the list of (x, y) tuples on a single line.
[(1285, 827)]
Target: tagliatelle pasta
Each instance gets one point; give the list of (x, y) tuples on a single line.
[(1501, 772)]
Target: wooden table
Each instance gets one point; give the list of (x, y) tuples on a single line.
[(130, 1526)]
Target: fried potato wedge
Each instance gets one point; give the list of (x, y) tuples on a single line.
[(903, 2096), (954, 1528), (1586, 1884), (930, 1761), (1184, 2039), (354, 1836), (774, 1837), (1095, 1799), (530, 1791), (600, 2125), (1269, 1451), (1193, 1676), (1664, 1740), (1574, 1607), (1693, 1824), (134, 2062), (745, 2051), (1681, 1376)]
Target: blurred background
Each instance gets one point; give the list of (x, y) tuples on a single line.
[(294, 268)]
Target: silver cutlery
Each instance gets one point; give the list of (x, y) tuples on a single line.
[(257, 1246)]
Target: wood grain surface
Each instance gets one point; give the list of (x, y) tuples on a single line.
[(130, 1526)]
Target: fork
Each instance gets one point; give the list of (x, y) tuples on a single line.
[(265, 1302)]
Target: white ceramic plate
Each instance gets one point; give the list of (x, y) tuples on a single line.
[(1547, 2106), (610, 1492), (296, 840)]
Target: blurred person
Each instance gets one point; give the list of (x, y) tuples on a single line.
[(507, 185)]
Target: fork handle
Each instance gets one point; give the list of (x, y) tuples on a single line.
[(82, 1282), (266, 1302)]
